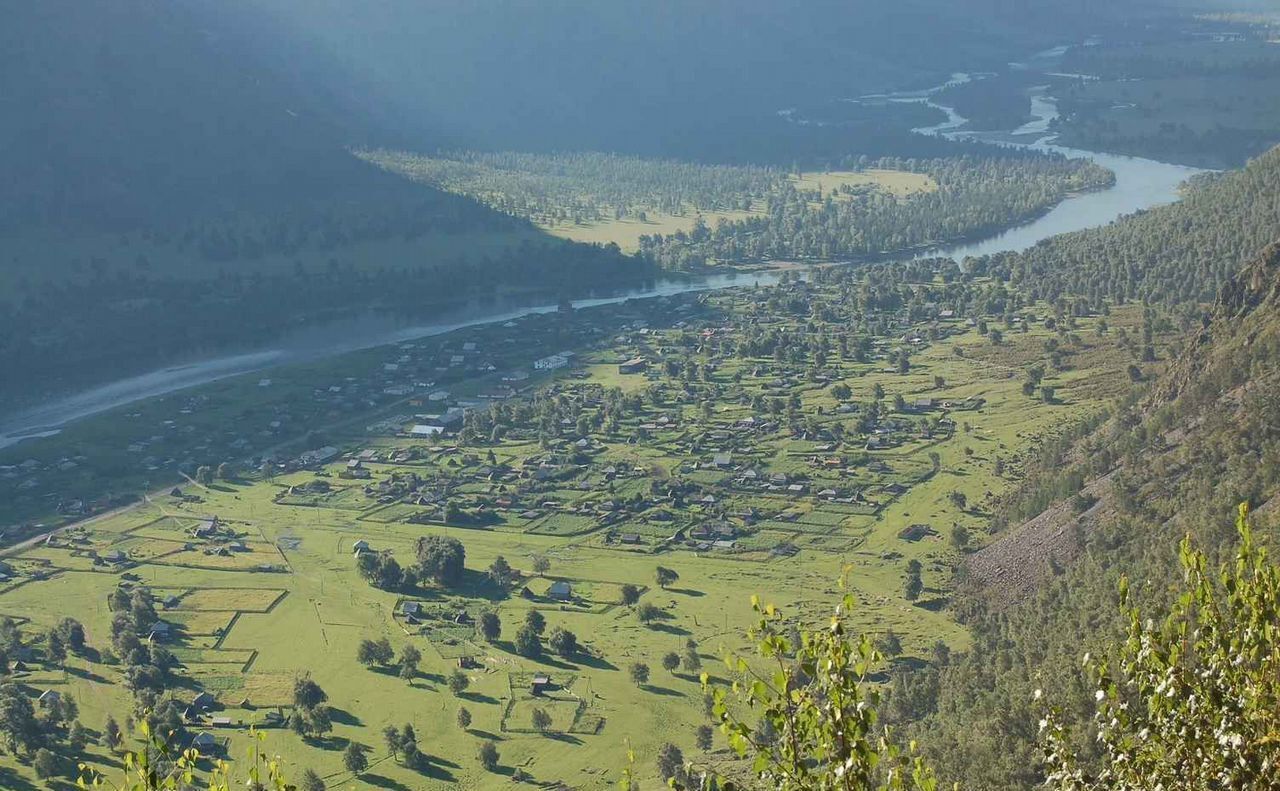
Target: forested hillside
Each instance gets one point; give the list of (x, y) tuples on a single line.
[(1173, 464), (1179, 253), (975, 194)]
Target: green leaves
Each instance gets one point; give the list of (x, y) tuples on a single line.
[(802, 712), (1195, 703)]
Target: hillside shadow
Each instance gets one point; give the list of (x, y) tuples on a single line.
[(596, 662), (379, 781), (9, 779), (477, 697), (665, 691), (935, 604), (687, 592), (670, 629), (86, 675), (436, 772), (344, 717)]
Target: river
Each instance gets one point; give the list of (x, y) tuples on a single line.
[(1140, 184)]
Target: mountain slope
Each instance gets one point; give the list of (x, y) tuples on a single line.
[(1205, 437)]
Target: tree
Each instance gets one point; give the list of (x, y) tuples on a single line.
[(527, 642), (387, 574), (18, 725), (630, 594), (162, 765), (317, 721), (500, 572), (490, 626), (441, 560), (458, 682), (45, 763), (464, 719), (670, 762), (488, 756), (541, 720), (55, 650), (391, 736), (958, 499), (1190, 702), (111, 734), (307, 694), (535, 621), (72, 633), (692, 661), (959, 536), (408, 742), (410, 656), (563, 642), (311, 781), (671, 662), (914, 585), (204, 475), (77, 737), (639, 673), (354, 759), (665, 576), (702, 737), (541, 564), (824, 704), (889, 643), (375, 652)]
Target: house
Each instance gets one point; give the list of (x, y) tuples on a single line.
[(633, 366), (630, 538), (541, 683), (923, 404), (722, 459), (550, 362), (467, 663), (410, 608), (360, 546), (560, 590), (115, 556), (160, 630), (204, 701), (915, 532), (50, 697), (204, 741)]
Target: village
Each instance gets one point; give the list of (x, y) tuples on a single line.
[(626, 493)]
